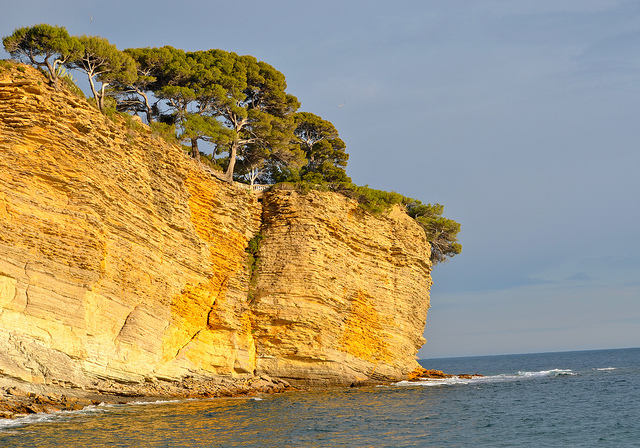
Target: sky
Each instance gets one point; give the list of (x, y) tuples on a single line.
[(520, 117)]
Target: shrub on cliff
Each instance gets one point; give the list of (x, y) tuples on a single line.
[(67, 80), (253, 260), (4, 64), (165, 131), (442, 233)]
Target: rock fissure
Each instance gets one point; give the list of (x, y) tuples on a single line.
[(197, 333), (26, 290), (216, 298)]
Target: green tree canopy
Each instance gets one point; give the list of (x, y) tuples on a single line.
[(182, 86), (103, 62), (135, 95), (252, 103), (236, 103), (324, 151), (43, 46)]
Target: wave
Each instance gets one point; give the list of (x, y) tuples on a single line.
[(145, 403), (552, 373), (26, 420), (45, 417), (443, 381), (605, 368), (520, 375)]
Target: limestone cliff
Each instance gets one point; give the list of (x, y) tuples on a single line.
[(340, 294), (123, 259)]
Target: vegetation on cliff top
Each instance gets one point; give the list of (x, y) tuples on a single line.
[(236, 104)]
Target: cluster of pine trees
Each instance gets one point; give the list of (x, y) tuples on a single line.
[(237, 104)]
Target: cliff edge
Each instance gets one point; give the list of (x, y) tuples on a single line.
[(122, 260)]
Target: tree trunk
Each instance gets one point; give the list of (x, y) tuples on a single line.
[(228, 175), (195, 152), (52, 73), (94, 92), (147, 106), (101, 99)]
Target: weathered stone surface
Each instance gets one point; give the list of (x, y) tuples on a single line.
[(341, 295), (122, 260), (116, 250)]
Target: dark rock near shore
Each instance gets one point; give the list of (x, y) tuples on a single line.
[(421, 373), (25, 399)]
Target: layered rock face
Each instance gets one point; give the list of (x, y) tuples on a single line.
[(116, 251), (123, 259), (340, 294)]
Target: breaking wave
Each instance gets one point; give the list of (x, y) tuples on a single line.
[(551, 373), (455, 380)]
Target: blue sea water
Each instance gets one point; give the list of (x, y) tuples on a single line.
[(570, 399)]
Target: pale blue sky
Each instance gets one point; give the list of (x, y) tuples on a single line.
[(519, 116)]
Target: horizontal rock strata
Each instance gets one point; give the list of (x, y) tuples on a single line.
[(341, 295), (120, 257), (123, 260)]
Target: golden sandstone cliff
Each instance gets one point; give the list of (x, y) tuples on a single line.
[(122, 259)]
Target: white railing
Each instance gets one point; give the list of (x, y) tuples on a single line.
[(256, 188), (261, 187)]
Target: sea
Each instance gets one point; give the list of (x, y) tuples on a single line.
[(568, 399)]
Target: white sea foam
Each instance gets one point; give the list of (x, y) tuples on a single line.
[(453, 381), (144, 403), (552, 372), (606, 368), (45, 417), (441, 381), (31, 419)]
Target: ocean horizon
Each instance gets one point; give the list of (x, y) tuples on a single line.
[(559, 399)]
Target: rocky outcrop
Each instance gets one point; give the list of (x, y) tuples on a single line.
[(24, 399), (121, 259), (422, 374)]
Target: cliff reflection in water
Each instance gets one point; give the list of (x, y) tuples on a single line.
[(335, 417), (524, 400)]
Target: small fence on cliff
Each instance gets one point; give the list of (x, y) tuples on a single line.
[(256, 188)]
